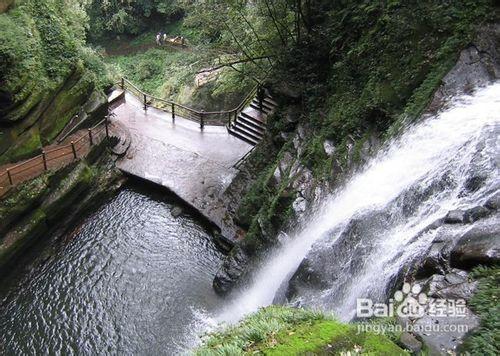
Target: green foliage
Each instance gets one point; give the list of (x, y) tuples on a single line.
[(170, 73), (279, 330), (485, 303), (361, 68), (132, 17), (391, 59), (42, 45)]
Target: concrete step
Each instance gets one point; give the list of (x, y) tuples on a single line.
[(265, 104), (255, 131), (256, 107), (242, 136), (270, 101), (252, 120), (265, 107), (242, 130)]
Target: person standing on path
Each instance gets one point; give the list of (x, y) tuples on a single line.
[(158, 38)]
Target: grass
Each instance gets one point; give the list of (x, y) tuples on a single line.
[(485, 303), (278, 330)]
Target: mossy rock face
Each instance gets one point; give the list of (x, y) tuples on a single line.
[(30, 229), (65, 104), (5, 4), (280, 330), (69, 189), (47, 74), (20, 147), (96, 107), (23, 198)]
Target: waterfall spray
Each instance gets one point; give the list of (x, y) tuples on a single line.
[(439, 146)]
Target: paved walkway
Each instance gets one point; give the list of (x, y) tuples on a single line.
[(196, 165)]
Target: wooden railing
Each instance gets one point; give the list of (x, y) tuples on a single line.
[(54, 158), (216, 118)]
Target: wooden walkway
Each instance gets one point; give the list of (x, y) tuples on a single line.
[(53, 157)]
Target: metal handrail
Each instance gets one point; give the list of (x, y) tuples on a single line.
[(201, 116)]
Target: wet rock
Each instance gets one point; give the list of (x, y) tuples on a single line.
[(479, 64), (176, 212), (456, 217), (434, 284), (95, 108), (433, 262), (230, 272), (480, 245), (442, 335), (410, 342), (329, 147), (299, 205), (464, 290), (306, 277), (223, 244), (476, 213), (473, 183), (493, 203), (436, 259), (439, 284), (330, 260), (466, 216)]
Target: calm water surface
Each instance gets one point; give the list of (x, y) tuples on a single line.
[(131, 279)]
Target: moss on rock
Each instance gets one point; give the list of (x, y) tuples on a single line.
[(277, 330), (46, 73)]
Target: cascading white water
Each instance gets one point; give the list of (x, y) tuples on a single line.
[(440, 146)]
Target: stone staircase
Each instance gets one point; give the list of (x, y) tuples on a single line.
[(251, 123)]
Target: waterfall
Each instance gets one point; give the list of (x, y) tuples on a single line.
[(414, 181)]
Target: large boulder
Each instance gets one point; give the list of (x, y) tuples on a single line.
[(479, 245), (478, 65), (447, 332), (230, 272)]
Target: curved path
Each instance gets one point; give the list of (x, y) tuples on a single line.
[(195, 165)]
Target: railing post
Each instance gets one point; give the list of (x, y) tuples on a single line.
[(123, 83), (173, 112), (230, 116), (145, 102), (90, 137), (202, 119), (235, 115), (106, 125), (10, 177), (73, 149), (44, 157)]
